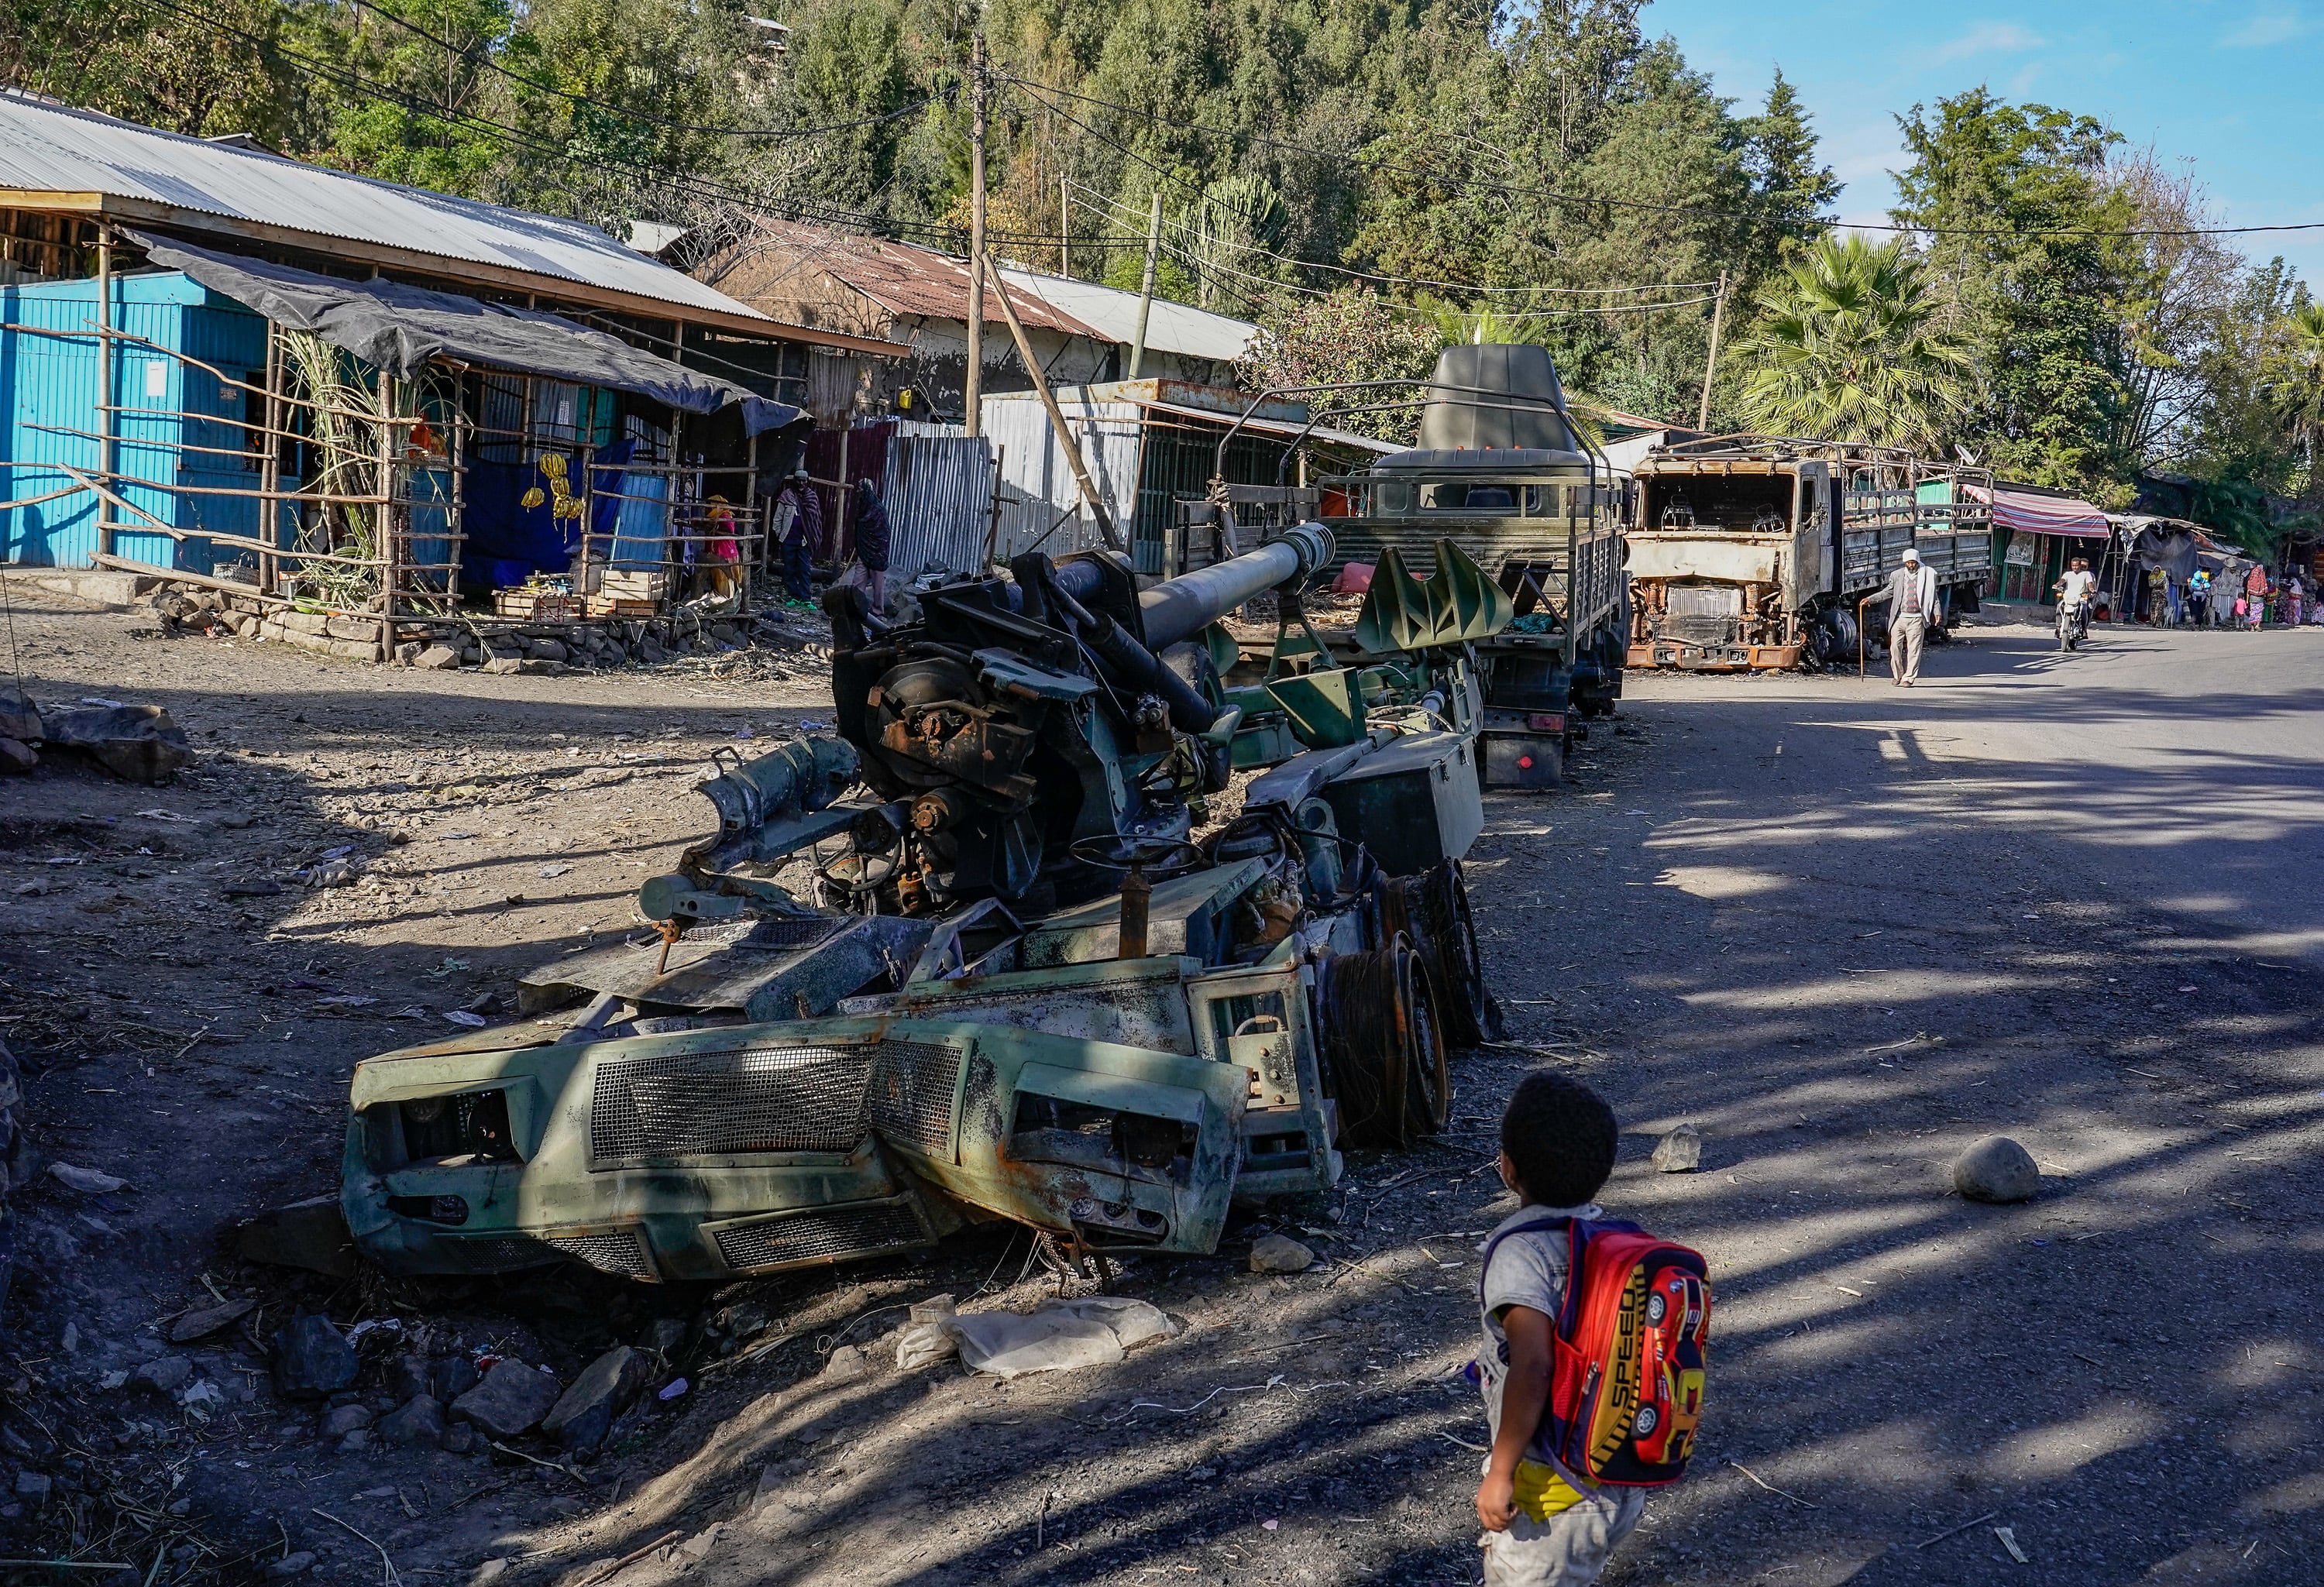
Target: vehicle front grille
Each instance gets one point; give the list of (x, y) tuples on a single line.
[(822, 1236), (619, 1251), (493, 1254), (792, 932), (912, 1089), (768, 1097)]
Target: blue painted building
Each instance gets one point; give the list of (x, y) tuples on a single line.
[(166, 410)]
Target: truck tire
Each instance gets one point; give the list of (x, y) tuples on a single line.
[(1383, 1051)]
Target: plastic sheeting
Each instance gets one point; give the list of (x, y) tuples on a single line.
[(399, 328)]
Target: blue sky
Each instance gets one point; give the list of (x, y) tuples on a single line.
[(2235, 86)]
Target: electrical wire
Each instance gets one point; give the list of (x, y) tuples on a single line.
[(1205, 265), (1412, 281), (1697, 211)]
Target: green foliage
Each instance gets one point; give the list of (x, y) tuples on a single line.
[(1347, 337), (1847, 349)]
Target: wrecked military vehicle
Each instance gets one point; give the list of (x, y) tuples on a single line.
[(1006, 980)]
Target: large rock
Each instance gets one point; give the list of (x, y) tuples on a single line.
[(451, 1377), (312, 1360), (310, 1234), (512, 1399), (585, 1413), (1680, 1151), (140, 742), (437, 658), (420, 1420), (19, 717), (1279, 1254), (1996, 1170), (346, 1419), (17, 757)]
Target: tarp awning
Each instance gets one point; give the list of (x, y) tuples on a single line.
[(399, 328), (2027, 513)]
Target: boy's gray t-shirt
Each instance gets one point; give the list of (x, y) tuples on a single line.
[(1525, 1270)]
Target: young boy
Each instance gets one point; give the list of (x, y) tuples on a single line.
[(1544, 1525)]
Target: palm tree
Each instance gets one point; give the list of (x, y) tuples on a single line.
[(1847, 349), (2297, 381)]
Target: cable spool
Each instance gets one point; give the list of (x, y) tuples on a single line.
[(1382, 1047), (1432, 911)]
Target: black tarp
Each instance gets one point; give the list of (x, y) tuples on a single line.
[(2167, 548), (398, 327)]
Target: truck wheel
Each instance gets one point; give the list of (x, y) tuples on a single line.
[(1384, 1054), (1432, 909)]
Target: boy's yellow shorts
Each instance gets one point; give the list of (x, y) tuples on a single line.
[(1541, 1492)]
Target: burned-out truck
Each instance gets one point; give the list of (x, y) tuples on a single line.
[(1752, 553), (980, 954)]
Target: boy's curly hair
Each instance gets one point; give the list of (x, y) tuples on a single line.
[(1560, 1137)]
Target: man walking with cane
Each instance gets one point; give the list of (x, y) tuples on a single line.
[(1911, 597)]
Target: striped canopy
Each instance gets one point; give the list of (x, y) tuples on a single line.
[(2029, 513)]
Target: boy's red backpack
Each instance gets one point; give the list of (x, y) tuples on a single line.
[(1626, 1393)]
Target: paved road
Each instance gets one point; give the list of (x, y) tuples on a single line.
[(1849, 930)]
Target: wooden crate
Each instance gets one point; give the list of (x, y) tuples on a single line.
[(629, 584), (621, 606), (536, 606)]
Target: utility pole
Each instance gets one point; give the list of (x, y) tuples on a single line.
[(1146, 290), (1065, 223), (1710, 364), (974, 395)]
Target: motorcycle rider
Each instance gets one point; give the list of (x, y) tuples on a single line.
[(2074, 590)]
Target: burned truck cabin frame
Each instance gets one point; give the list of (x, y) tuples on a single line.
[(1747, 552)]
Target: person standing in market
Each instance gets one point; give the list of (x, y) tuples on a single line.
[(2198, 596), (2254, 594), (798, 530), (1911, 597), (871, 534)]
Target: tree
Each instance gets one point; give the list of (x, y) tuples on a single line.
[(1345, 336), (2014, 214), (1847, 349), (2294, 371)]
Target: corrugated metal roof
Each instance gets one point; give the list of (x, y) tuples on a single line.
[(905, 279), (51, 149), (1172, 327)]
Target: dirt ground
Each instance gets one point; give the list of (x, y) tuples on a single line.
[(1843, 930)]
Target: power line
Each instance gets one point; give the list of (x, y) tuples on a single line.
[(684, 182), (1701, 211), (484, 59), (1201, 263), (1413, 281)]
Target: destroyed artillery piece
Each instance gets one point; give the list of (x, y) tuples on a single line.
[(1022, 989)]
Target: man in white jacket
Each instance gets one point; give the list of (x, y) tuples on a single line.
[(1911, 597)]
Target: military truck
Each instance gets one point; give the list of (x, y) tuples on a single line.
[(1502, 472), (1752, 553)]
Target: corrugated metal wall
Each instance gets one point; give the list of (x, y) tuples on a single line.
[(49, 402), (48, 415), (1036, 481), (939, 496)]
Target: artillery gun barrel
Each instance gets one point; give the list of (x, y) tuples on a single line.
[(1181, 607)]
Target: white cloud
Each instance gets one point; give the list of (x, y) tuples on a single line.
[(1990, 38), (2265, 28)]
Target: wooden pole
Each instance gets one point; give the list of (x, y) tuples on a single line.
[(1056, 415), (1710, 364), (973, 399), (107, 452), (1064, 226), (993, 517), (270, 467), (1146, 287)]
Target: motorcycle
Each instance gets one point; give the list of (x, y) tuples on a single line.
[(2073, 623)]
